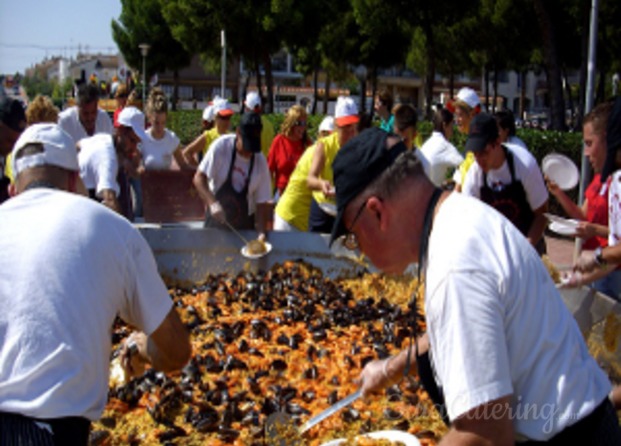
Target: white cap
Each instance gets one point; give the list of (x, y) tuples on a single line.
[(134, 118), (346, 112), (208, 114), (253, 100), (469, 96), (58, 149), (222, 107), (327, 124)]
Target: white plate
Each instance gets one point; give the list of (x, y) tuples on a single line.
[(563, 226), (562, 229), (328, 208), (561, 170), (390, 435), (245, 253)]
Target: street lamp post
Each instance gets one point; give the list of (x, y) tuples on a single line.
[(144, 50)]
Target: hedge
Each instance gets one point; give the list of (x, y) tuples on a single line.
[(187, 125)]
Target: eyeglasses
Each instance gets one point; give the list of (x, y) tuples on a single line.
[(300, 123), (351, 241)]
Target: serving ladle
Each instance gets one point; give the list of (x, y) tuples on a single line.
[(281, 422), (246, 252)]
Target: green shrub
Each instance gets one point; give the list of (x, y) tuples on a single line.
[(187, 124)]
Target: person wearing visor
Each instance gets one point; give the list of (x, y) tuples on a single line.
[(69, 268), (233, 180), (319, 178), (508, 178), (222, 112), (502, 358), (101, 160)]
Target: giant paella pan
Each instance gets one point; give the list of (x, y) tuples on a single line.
[(288, 332)]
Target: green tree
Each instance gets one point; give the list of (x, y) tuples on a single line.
[(141, 21)]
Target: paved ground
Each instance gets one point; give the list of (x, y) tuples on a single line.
[(560, 250)]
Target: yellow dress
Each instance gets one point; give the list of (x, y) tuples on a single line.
[(330, 149), (294, 204)]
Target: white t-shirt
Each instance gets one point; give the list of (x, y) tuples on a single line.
[(99, 164), (157, 153), (498, 326), (614, 209), (68, 267), (526, 170), (442, 156), (215, 165), (69, 121)]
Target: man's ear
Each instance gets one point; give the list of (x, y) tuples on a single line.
[(12, 189), (378, 207)]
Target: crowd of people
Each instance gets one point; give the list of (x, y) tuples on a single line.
[(473, 224)]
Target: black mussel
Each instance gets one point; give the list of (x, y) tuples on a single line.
[(311, 353), (323, 353), (232, 363), (295, 340), (242, 346), (334, 380), (308, 396), (402, 425), (191, 310), (350, 414), (220, 348), (227, 434), (391, 414), (350, 362), (109, 422), (270, 405), (282, 339), (288, 393), (251, 418), (333, 397), (310, 373), (295, 409), (98, 437), (278, 365), (171, 433), (255, 352), (254, 386)]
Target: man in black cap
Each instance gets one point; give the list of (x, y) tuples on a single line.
[(503, 357), (233, 179), (507, 177), (12, 123)]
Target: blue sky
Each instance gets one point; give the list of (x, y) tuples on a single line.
[(30, 30)]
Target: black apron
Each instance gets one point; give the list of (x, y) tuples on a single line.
[(510, 200), (234, 204), (423, 363)]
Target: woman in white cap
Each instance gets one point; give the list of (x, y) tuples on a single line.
[(319, 178), (199, 147)]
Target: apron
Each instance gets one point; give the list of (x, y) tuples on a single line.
[(423, 362), (510, 200), (235, 204)]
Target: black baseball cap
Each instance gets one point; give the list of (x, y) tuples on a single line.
[(613, 139), (483, 130), (12, 114), (356, 165), (250, 130)]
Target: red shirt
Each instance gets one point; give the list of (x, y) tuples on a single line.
[(282, 159), (597, 209)]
